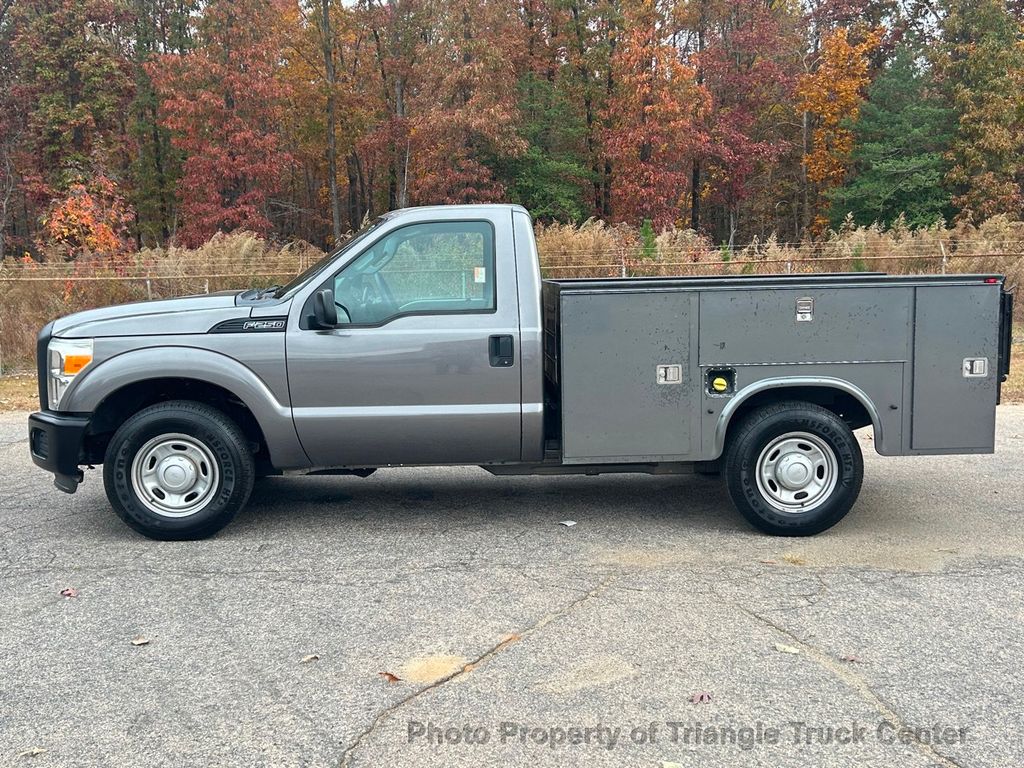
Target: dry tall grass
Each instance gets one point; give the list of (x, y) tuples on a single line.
[(34, 293), (597, 250)]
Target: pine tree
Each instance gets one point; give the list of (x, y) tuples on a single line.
[(551, 176), (900, 140)]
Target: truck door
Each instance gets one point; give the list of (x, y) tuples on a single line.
[(424, 366)]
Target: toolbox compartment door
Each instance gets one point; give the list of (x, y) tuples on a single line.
[(629, 386), (953, 408)]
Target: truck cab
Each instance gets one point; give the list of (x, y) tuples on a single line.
[(423, 346), (430, 338)]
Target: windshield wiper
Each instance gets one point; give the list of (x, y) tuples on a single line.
[(262, 293)]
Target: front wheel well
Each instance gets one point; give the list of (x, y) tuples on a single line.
[(119, 405), (844, 405)]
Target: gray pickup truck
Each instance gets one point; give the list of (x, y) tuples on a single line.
[(430, 339)]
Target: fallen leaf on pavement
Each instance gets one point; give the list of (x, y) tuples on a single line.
[(783, 648), (669, 764), (794, 559), (389, 677), (140, 640), (568, 523), (701, 697), (309, 658), (768, 562), (32, 752), (69, 592)]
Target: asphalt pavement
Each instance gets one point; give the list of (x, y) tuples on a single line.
[(445, 617)]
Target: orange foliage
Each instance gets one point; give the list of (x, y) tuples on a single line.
[(833, 93), (92, 218)]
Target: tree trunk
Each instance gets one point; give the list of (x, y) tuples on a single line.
[(355, 208), (332, 151), (401, 157), (806, 207), (695, 196)]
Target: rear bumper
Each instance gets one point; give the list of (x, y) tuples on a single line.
[(55, 443)]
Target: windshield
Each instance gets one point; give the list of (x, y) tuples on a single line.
[(310, 272)]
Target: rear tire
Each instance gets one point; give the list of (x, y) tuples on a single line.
[(178, 470), (793, 469)]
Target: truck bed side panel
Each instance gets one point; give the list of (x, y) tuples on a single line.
[(952, 412), (614, 408), (752, 326)]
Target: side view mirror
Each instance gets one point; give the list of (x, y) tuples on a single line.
[(324, 309)]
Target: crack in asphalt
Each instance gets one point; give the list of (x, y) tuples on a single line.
[(854, 682), (346, 756)]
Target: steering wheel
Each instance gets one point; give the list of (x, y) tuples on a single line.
[(342, 308)]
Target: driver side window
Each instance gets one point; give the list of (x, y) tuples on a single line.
[(420, 269)]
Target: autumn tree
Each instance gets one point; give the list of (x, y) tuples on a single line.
[(331, 105), (832, 94), (464, 110), (401, 32), (88, 220), (222, 102), (746, 55), (981, 64), (651, 113), (70, 88), (71, 65), (160, 27), (899, 158), (12, 129)]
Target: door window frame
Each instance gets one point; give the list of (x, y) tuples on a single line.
[(328, 282)]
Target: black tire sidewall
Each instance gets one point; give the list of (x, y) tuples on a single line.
[(234, 469), (763, 428)]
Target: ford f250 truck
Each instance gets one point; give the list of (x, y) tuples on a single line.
[(431, 339)]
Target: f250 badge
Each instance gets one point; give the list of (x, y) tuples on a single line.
[(244, 325), (263, 325)]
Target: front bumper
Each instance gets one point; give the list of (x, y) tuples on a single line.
[(55, 442)]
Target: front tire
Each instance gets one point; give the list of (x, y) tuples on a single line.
[(178, 470), (793, 469)]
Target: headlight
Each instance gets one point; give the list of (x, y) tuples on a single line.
[(67, 358)]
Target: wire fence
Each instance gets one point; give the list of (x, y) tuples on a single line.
[(631, 265), (210, 274), (34, 293)]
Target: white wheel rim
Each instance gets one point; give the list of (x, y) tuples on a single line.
[(797, 472), (175, 475)]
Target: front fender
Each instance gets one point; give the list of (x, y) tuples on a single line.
[(95, 384)]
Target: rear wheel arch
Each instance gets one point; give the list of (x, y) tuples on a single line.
[(847, 401)]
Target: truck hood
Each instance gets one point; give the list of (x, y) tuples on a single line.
[(188, 314)]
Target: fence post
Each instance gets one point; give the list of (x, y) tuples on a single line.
[(149, 290), (206, 286), (622, 260), (943, 249)]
